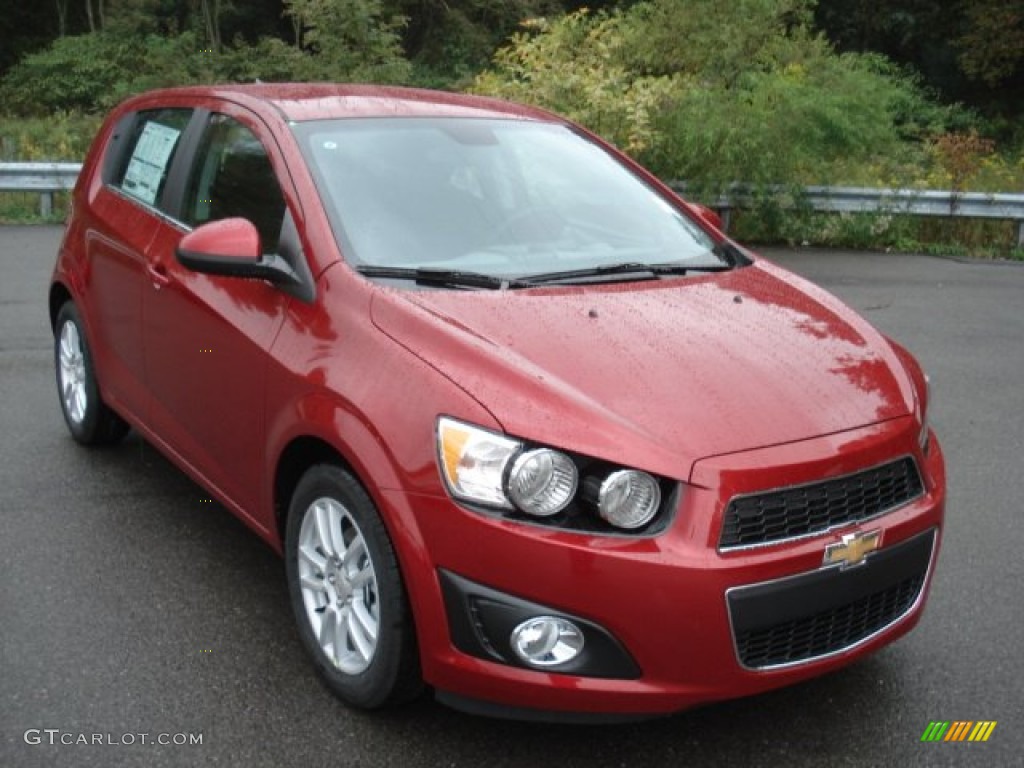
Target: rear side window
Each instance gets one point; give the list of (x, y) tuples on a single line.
[(149, 153)]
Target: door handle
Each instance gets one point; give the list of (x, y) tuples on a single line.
[(158, 275)]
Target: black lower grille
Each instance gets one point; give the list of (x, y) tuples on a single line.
[(791, 512), (811, 615)]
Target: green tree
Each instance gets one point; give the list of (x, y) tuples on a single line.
[(347, 39), (969, 51), (75, 73), (992, 46)]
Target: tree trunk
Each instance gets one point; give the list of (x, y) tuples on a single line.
[(62, 17), (210, 10)]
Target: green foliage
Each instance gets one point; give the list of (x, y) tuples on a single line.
[(769, 223), (813, 119), (340, 40), (450, 41), (347, 40), (74, 73), (60, 137), (715, 93), (702, 90), (992, 48), (23, 208), (578, 66), (717, 41)]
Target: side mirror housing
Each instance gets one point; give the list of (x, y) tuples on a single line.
[(225, 247), (231, 248)]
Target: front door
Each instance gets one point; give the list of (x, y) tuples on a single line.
[(206, 337)]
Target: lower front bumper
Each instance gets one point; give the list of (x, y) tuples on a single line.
[(829, 611)]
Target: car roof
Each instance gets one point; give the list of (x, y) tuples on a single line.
[(320, 101)]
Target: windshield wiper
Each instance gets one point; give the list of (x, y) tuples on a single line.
[(447, 277), (651, 271)]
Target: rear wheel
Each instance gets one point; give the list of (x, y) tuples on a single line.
[(347, 592), (89, 419)]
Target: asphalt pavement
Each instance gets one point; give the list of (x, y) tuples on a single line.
[(130, 605)]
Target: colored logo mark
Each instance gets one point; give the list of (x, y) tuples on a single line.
[(959, 730)]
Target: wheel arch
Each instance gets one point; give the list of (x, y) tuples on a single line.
[(59, 296), (305, 451), (295, 460)]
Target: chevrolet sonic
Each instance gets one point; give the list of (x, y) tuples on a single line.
[(526, 427)]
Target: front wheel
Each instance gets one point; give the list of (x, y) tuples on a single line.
[(347, 593), (89, 419)]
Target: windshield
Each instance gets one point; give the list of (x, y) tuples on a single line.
[(497, 197)]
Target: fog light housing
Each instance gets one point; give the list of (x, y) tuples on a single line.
[(547, 641), (542, 482), (629, 499)]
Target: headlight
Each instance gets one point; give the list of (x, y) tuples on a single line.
[(493, 470), (629, 499), (542, 482), (473, 462)]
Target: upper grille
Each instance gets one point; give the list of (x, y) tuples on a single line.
[(792, 512)]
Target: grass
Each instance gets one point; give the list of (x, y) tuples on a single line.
[(23, 208), (973, 238)]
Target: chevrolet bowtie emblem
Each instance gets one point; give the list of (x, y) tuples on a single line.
[(853, 548)]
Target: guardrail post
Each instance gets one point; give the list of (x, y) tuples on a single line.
[(725, 214), (45, 204)]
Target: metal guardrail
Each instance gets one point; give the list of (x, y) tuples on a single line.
[(48, 178), (44, 178), (916, 202)]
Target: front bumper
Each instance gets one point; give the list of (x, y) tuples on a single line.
[(675, 603)]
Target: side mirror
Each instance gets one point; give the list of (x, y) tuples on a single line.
[(231, 248)]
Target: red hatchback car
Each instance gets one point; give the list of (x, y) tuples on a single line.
[(525, 426)]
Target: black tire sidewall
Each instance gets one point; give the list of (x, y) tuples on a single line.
[(86, 430), (383, 680)]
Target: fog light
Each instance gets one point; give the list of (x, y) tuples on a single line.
[(542, 482), (629, 499), (547, 641)]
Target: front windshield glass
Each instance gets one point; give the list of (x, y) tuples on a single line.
[(498, 197)]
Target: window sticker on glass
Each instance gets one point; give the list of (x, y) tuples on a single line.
[(149, 161)]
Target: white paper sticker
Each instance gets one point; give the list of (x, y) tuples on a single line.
[(149, 160)]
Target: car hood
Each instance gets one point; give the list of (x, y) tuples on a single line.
[(658, 374)]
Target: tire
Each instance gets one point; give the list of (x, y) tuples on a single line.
[(89, 419), (349, 601)]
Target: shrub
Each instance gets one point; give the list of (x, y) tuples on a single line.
[(715, 93), (578, 67)]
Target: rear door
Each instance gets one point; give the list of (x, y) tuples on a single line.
[(122, 219)]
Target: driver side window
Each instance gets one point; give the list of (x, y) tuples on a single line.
[(232, 176)]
